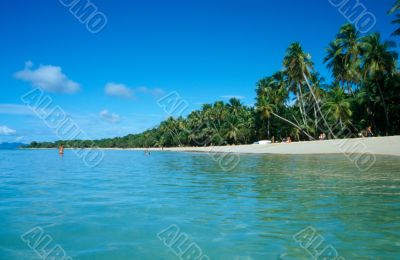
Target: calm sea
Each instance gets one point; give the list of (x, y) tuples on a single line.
[(160, 206)]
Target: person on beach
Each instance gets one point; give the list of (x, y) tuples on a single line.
[(369, 132), (289, 140)]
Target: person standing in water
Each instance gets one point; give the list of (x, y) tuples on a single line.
[(61, 149)]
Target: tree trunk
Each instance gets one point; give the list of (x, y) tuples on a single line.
[(315, 120), (319, 108), (300, 107), (302, 104), (293, 124), (384, 107)]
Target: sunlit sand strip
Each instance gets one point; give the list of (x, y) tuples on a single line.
[(377, 145)]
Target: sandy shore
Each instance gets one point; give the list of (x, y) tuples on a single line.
[(377, 145)]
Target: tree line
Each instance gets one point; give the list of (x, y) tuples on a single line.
[(295, 102)]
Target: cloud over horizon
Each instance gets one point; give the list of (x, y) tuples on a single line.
[(155, 92), (48, 77), (118, 90), (123, 91), (110, 117), (5, 130)]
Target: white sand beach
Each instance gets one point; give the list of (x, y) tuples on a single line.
[(376, 145)]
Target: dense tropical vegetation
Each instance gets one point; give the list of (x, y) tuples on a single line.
[(295, 102)]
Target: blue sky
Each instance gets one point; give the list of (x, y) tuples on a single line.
[(109, 82)]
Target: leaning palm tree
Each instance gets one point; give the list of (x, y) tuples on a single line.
[(379, 61), (297, 63), (265, 106), (317, 96)]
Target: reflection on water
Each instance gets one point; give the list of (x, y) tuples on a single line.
[(116, 210)]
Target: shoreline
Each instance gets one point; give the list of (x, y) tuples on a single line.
[(375, 145)]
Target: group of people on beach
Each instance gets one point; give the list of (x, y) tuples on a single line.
[(366, 133), (322, 136)]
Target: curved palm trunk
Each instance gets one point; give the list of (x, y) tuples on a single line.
[(317, 104), (303, 110), (293, 124), (300, 107), (315, 119)]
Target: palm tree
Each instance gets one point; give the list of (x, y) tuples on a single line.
[(335, 62), (396, 8), (396, 21), (233, 133), (343, 57), (218, 114), (265, 105), (379, 61), (317, 95), (298, 64), (279, 85), (338, 105), (234, 106)]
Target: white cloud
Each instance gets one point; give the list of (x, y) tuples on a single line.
[(155, 92), (121, 90), (19, 138), (48, 77), (118, 90), (110, 117), (5, 130), (233, 96)]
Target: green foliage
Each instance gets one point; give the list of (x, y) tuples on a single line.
[(215, 124), (396, 9)]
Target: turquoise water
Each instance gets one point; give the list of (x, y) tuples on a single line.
[(116, 210)]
